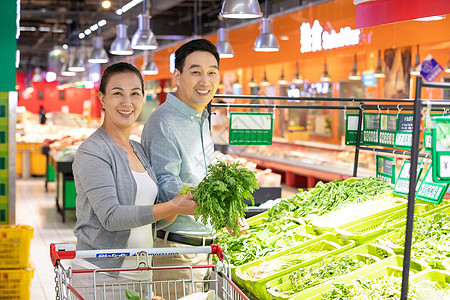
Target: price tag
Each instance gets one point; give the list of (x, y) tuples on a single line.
[(351, 129), (429, 190), (386, 168), (441, 150), (251, 128), (402, 184), (388, 126), (403, 135), (371, 125)]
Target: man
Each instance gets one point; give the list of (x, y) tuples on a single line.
[(178, 141)]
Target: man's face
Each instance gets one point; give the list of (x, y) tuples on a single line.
[(198, 82)]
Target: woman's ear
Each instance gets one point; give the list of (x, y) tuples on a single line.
[(102, 99)]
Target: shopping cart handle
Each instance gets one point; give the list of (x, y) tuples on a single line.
[(217, 250), (61, 251)]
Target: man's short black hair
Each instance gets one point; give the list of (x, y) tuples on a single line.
[(191, 47)]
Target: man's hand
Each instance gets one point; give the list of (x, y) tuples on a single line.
[(243, 227)]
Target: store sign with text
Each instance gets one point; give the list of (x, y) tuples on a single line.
[(314, 38)]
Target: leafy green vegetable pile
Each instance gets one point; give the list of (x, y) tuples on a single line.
[(313, 275), (256, 242), (328, 197), (132, 295), (220, 195), (384, 288), (431, 238)]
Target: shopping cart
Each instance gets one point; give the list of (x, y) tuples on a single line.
[(218, 286)]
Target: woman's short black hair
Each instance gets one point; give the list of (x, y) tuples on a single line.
[(118, 68), (191, 47)]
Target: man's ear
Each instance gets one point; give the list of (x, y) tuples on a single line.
[(176, 76)]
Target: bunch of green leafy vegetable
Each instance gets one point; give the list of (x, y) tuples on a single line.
[(385, 287), (315, 274), (222, 193), (132, 295), (257, 242), (324, 198)]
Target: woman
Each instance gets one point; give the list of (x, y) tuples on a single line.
[(116, 186)]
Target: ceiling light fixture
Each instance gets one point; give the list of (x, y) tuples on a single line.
[(354, 74), (252, 82), (241, 9), (379, 73), (98, 55), (77, 64), (415, 70), (149, 67), (431, 18), (298, 79), (265, 82), (325, 76), (121, 45), (106, 4), (266, 41), (223, 46), (143, 38), (282, 80)]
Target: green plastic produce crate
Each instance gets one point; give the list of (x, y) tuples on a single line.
[(316, 223), (255, 219), (391, 266), (437, 278), (364, 253), (294, 237), (314, 250), (365, 230)]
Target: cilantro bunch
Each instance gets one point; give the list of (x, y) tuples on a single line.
[(220, 195)]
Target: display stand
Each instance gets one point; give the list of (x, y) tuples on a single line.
[(365, 105)]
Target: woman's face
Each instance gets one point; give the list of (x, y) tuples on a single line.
[(122, 100)]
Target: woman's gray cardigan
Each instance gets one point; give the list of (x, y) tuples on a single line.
[(106, 193)]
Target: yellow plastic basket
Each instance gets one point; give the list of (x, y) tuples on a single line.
[(15, 284), (15, 246)]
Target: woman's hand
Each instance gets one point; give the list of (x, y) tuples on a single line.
[(243, 227), (184, 204)]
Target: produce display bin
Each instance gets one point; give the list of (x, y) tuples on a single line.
[(442, 278), (15, 246), (365, 230), (402, 205), (326, 245), (362, 253), (391, 266), (15, 283)]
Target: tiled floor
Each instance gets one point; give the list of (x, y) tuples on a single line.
[(36, 208)]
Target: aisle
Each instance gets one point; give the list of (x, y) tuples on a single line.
[(36, 208)]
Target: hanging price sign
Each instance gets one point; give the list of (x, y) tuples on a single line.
[(388, 126), (371, 125), (351, 129), (403, 135), (251, 128), (386, 168), (402, 184), (429, 124), (429, 190), (441, 149)]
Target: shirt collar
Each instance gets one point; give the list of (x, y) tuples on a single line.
[(184, 108)]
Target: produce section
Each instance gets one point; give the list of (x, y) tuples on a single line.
[(307, 242)]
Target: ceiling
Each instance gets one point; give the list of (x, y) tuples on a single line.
[(48, 24)]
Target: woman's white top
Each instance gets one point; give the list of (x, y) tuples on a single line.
[(141, 237)]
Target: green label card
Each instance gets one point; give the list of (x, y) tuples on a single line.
[(388, 126), (402, 184), (429, 190), (351, 129), (371, 125), (251, 128), (386, 168), (441, 150), (403, 136)]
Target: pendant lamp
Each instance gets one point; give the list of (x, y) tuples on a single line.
[(265, 82), (325, 76), (241, 9), (282, 80), (98, 55), (223, 46), (252, 82), (379, 70), (143, 38), (415, 70), (266, 41), (77, 63), (149, 67), (354, 74), (121, 45), (298, 79)]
